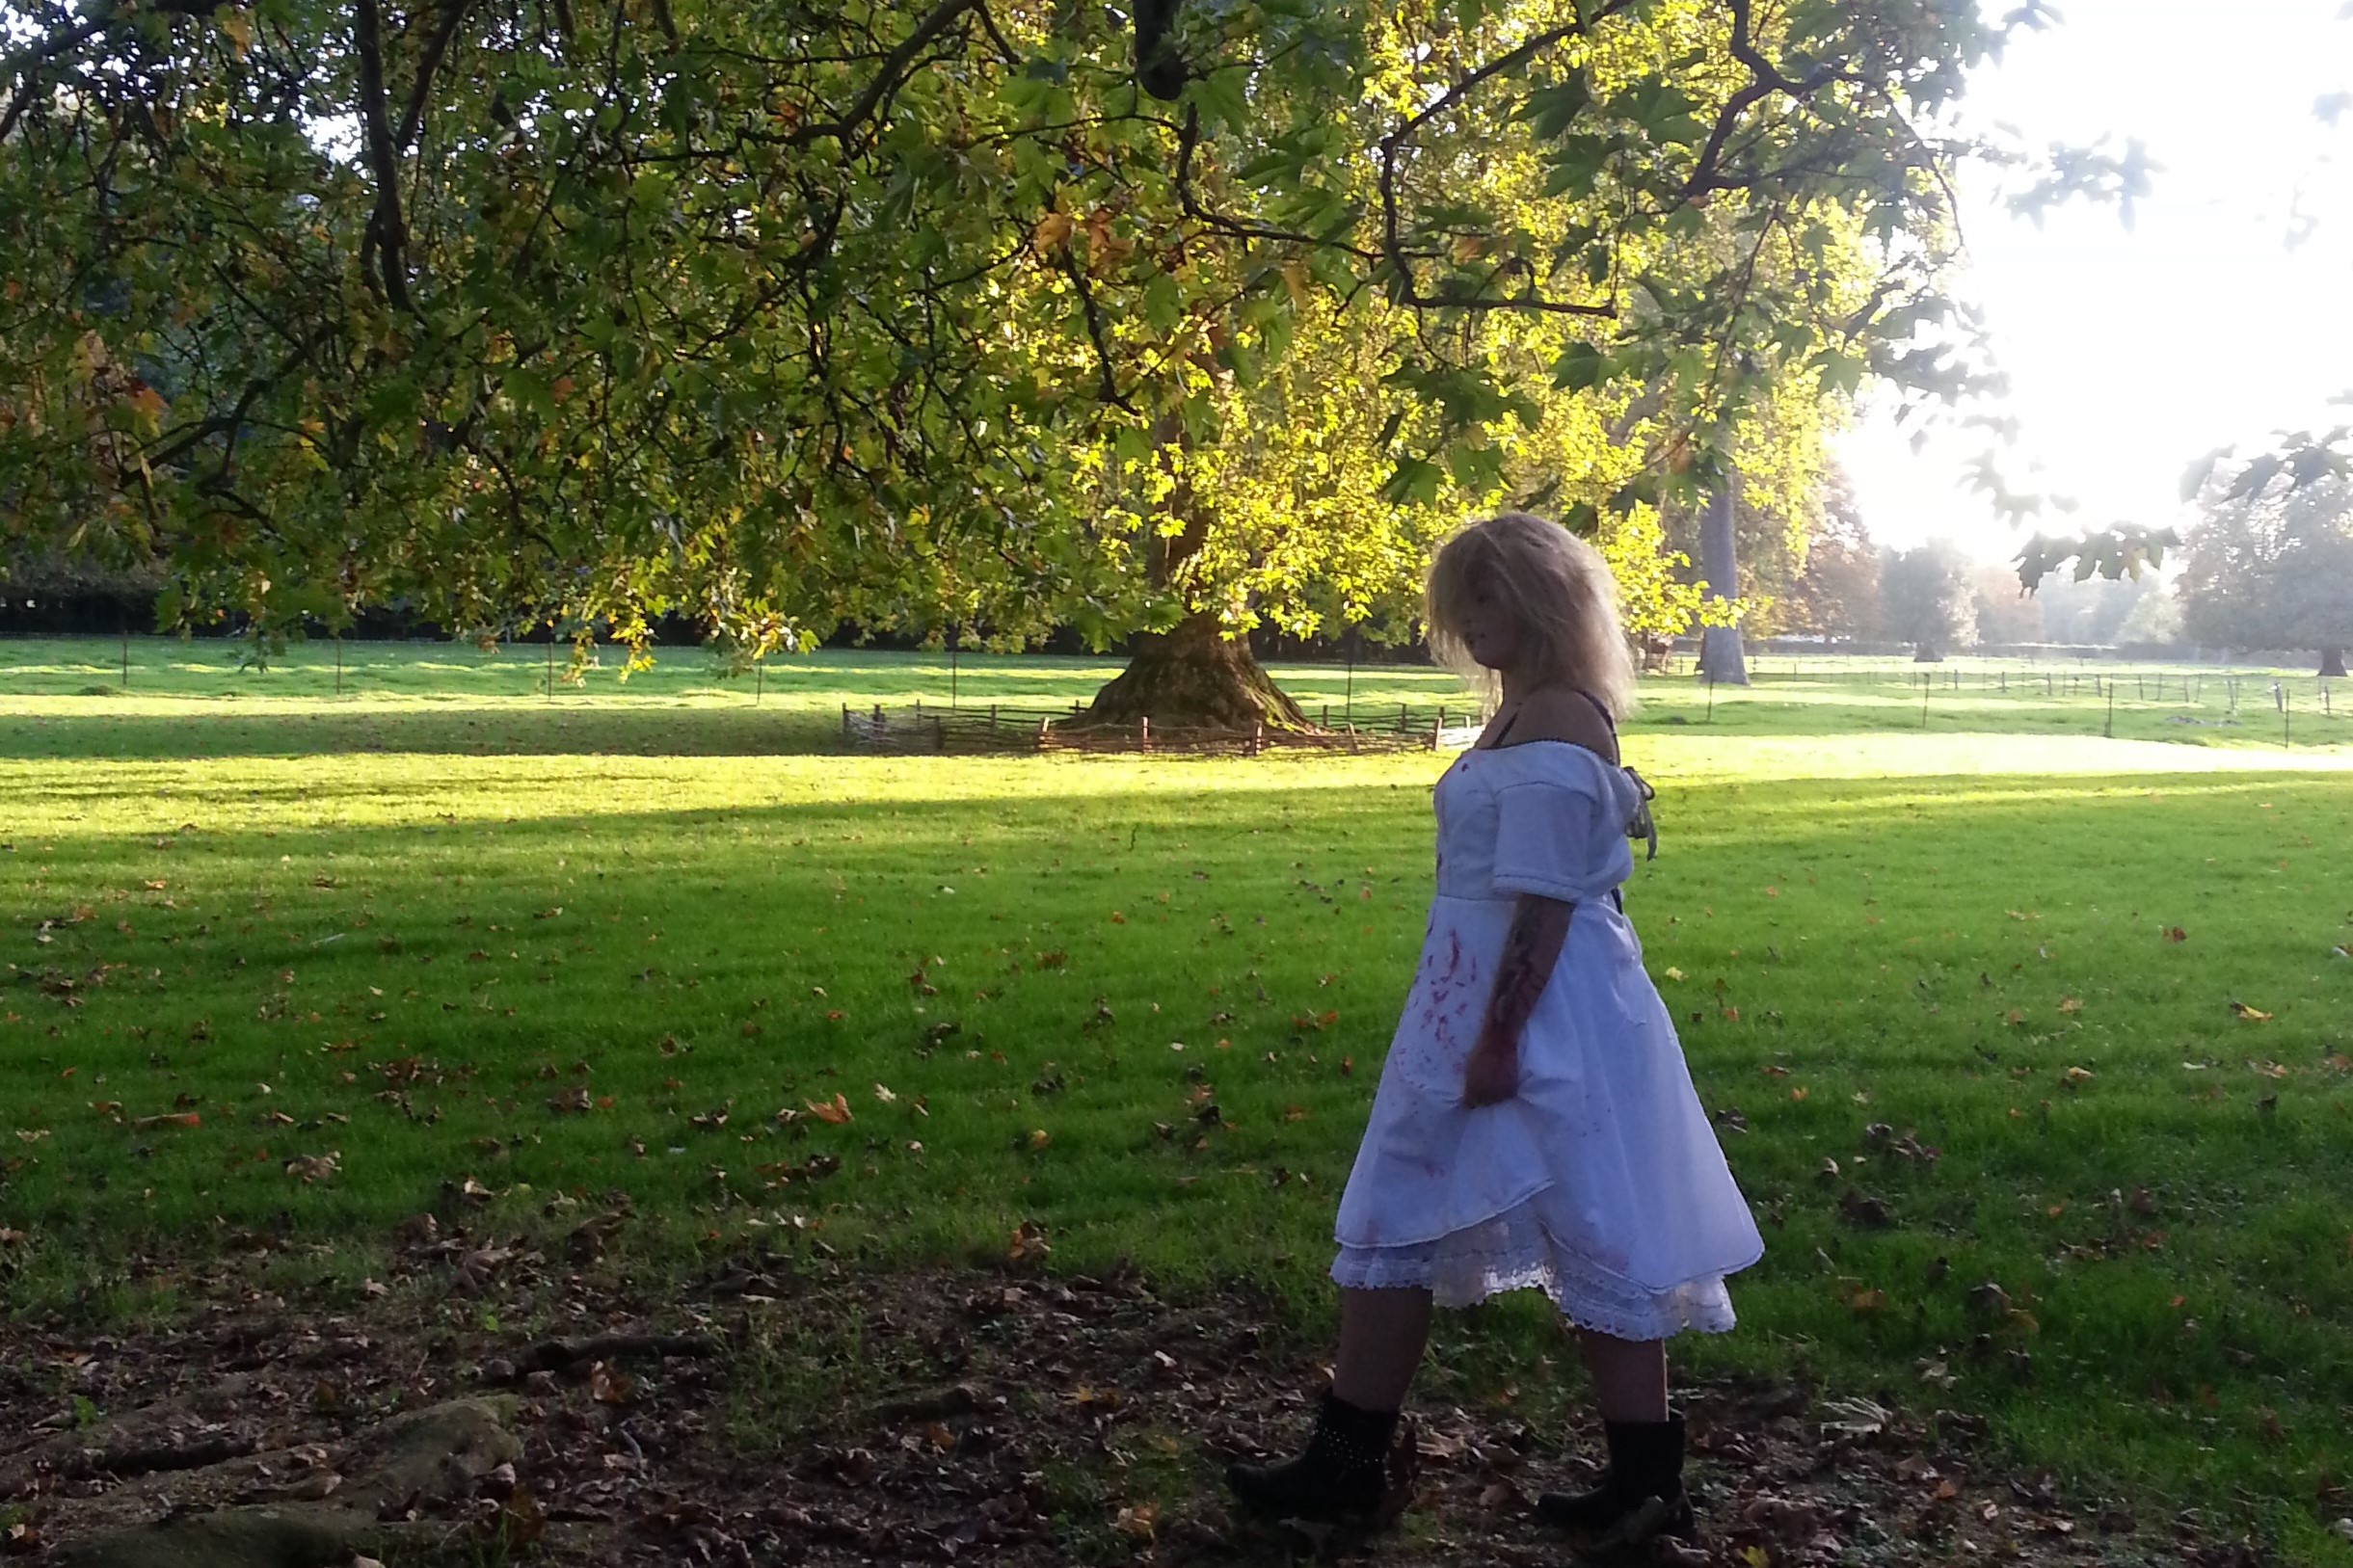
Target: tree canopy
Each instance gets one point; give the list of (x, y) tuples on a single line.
[(777, 314), (2271, 566), (1926, 599)]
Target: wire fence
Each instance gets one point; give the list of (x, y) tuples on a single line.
[(2193, 694), (2100, 695), (927, 728)]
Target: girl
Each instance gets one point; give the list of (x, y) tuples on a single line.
[(1535, 1125)]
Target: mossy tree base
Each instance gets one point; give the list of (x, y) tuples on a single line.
[(1193, 678)]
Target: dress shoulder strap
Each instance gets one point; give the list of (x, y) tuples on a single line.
[(1608, 719)]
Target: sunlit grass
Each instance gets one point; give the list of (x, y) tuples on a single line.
[(410, 956)]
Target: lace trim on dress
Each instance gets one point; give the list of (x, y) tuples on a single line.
[(1514, 1251)]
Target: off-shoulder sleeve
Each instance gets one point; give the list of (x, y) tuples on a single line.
[(1555, 837)]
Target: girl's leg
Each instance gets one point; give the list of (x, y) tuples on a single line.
[(1382, 1334), (1344, 1472), (1629, 1377), (1644, 1490)]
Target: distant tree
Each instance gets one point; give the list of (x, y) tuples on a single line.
[(2091, 612), (1836, 590), (2156, 618), (2271, 566), (2005, 612), (1925, 599)]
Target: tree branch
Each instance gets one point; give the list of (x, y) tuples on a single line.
[(28, 62), (1110, 391), (1765, 78), (412, 119), (387, 236), (1188, 136), (1407, 290), (37, 54), (886, 78)]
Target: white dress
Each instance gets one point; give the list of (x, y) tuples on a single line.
[(1601, 1181)]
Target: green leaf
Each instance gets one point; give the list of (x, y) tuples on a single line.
[(1163, 303), (1576, 164), (1415, 482), (1478, 469), (1551, 110), (1582, 367), (1222, 97)]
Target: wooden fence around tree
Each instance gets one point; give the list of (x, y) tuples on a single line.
[(928, 727)]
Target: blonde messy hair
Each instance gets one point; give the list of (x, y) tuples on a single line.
[(1554, 585)]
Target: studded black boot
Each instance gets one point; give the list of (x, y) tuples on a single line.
[(1342, 1475), (1640, 1497)]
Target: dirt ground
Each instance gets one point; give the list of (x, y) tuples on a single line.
[(786, 1407)]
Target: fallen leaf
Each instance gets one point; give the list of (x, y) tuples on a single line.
[(2070, 1005), (1870, 1213), (314, 1167), (610, 1386), (833, 1111)]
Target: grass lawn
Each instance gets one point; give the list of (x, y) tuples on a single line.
[(2033, 1049)]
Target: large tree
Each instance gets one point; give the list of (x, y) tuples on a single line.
[(777, 315), (1834, 592), (2271, 566), (2004, 612), (1926, 600)]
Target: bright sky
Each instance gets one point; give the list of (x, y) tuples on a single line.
[(2224, 315)]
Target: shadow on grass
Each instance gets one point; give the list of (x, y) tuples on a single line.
[(2133, 1220)]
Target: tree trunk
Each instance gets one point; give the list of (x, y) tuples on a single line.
[(1928, 653), (1721, 657), (1193, 678), (2333, 663)]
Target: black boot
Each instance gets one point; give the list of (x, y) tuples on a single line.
[(1342, 1475), (1641, 1497)]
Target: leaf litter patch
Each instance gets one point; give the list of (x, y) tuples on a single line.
[(787, 1406)]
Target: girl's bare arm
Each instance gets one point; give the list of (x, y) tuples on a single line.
[(1539, 926)]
